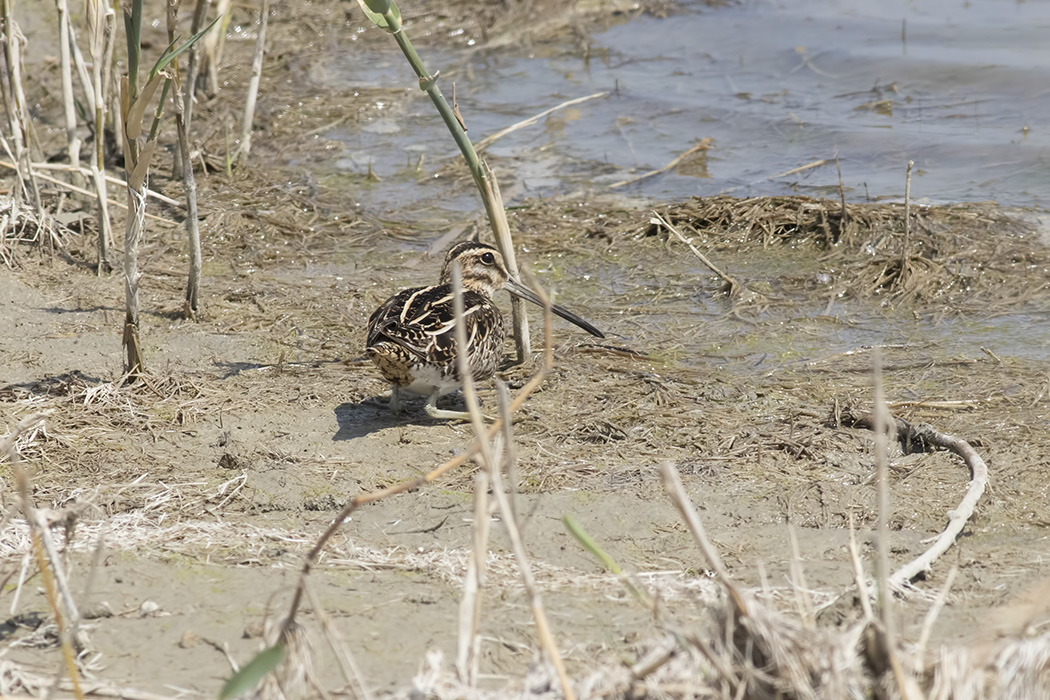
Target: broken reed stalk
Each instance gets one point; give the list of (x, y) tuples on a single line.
[(859, 577), (344, 658), (491, 464), (253, 86), (191, 307), (906, 249), (66, 72), (884, 428), (136, 164), (676, 491), (465, 376), (100, 27), (87, 193), (215, 41), (934, 611), (731, 286), (842, 197), (111, 85), (429, 478), (705, 143), (539, 613), (189, 87), (501, 228), (48, 561), (467, 660), (18, 114), (468, 647), (137, 154), (489, 140), (385, 15)]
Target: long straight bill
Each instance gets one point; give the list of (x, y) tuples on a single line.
[(519, 290)]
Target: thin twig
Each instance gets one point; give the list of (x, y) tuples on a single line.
[(858, 573), (42, 543), (935, 610), (705, 144), (798, 581), (81, 190), (347, 666), (801, 168), (733, 286), (907, 217), (488, 140), (675, 489)]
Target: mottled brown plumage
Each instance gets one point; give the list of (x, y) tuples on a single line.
[(411, 336)]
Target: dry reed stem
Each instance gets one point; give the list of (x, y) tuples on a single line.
[(253, 87), (888, 638), (798, 581), (468, 648), (705, 144), (490, 193), (906, 248), (934, 611), (52, 576), (112, 179), (470, 396), (489, 140), (732, 287), (191, 308), (18, 111), (344, 658), (882, 565), (799, 169), (539, 613), (88, 193), (66, 72), (100, 27), (470, 605), (676, 491), (859, 576), (7, 442)]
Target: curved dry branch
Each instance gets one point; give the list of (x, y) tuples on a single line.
[(921, 437)]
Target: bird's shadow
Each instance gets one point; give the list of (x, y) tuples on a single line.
[(371, 415)]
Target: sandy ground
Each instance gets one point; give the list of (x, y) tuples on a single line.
[(200, 488)]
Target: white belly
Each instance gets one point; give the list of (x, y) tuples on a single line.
[(426, 379)]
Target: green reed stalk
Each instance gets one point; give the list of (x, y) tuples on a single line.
[(385, 15)]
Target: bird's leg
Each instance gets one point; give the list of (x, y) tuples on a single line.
[(395, 399), (441, 414)]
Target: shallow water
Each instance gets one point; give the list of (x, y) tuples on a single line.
[(958, 87)]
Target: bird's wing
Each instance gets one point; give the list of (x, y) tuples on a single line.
[(421, 320)]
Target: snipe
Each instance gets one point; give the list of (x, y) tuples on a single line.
[(411, 336)]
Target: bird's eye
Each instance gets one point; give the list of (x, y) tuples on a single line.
[(488, 258)]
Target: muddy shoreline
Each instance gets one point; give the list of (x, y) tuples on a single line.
[(207, 482)]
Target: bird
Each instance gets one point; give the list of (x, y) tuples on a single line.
[(411, 336)]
